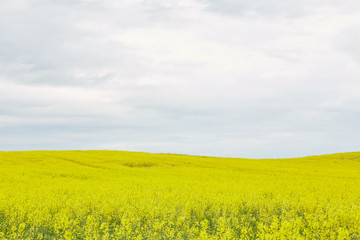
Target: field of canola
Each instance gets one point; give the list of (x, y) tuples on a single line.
[(128, 195)]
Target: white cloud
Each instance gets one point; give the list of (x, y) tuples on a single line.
[(271, 79)]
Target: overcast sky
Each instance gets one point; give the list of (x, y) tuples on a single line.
[(239, 78)]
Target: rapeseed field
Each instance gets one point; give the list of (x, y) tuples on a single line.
[(129, 195)]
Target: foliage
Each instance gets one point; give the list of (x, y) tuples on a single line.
[(129, 195)]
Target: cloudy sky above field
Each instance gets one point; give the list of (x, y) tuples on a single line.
[(238, 78)]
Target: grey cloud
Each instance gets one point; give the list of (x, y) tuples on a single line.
[(241, 8), (45, 42), (278, 8)]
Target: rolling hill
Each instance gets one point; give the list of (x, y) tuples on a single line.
[(133, 195)]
